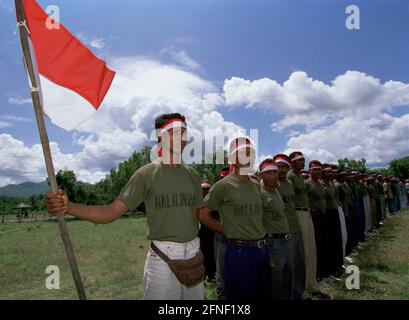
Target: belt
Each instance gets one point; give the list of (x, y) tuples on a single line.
[(284, 236), (248, 243), (302, 209)]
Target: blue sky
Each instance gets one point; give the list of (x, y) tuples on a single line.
[(250, 40)]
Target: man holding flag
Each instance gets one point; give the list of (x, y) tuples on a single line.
[(172, 195), (55, 56)]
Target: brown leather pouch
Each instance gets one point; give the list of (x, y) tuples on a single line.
[(189, 272)]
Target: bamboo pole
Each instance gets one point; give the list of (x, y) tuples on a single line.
[(38, 110)]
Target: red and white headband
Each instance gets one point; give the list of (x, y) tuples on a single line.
[(172, 123), (224, 173), (242, 145), (297, 157), (269, 167), (205, 185), (316, 166), (281, 160)]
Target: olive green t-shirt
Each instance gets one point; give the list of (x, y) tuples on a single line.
[(360, 190), (344, 196), (348, 191), (316, 195), (240, 205), (171, 196), (373, 193), (331, 196), (354, 191), (379, 188), (364, 189), (395, 190), (300, 190), (286, 190), (274, 218)]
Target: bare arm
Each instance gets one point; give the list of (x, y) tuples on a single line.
[(98, 214), (205, 217)]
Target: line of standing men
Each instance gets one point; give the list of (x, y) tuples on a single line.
[(267, 228), (312, 219), (276, 244)]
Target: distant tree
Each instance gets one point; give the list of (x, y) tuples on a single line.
[(400, 167), (358, 165), (108, 188), (66, 180), (41, 202), (81, 195), (211, 170), (92, 198), (34, 202)]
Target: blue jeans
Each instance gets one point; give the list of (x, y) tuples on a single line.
[(391, 205), (296, 262), (397, 203), (282, 274), (220, 247), (247, 273)]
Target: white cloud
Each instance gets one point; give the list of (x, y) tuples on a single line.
[(26, 163), (96, 43), (16, 119), (377, 139), (142, 89), (305, 101), (18, 100), (4, 124), (181, 57), (347, 118), (7, 120)]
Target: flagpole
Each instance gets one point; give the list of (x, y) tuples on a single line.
[(38, 110)]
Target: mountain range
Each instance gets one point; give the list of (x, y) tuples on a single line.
[(24, 189)]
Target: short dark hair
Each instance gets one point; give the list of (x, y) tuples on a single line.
[(236, 141), (326, 166), (341, 174), (225, 168), (268, 160), (281, 155), (163, 118), (312, 162), (294, 154)]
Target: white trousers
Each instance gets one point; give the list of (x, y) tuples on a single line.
[(160, 283), (343, 230), (310, 253)]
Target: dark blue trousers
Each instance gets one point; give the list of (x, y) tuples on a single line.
[(361, 220), (247, 273), (397, 203), (358, 222)]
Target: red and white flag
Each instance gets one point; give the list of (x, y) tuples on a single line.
[(68, 71)]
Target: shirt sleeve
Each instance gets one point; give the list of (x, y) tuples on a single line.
[(199, 203), (213, 199), (133, 194), (337, 194)]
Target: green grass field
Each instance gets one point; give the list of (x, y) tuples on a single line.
[(111, 260), (383, 263), (110, 257)]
